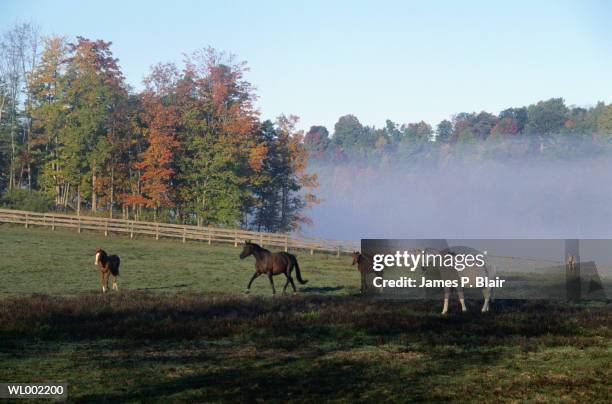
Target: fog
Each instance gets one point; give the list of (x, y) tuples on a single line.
[(518, 198)]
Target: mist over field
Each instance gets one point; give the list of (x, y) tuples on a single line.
[(518, 198)]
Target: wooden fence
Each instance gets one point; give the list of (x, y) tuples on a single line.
[(166, 230)]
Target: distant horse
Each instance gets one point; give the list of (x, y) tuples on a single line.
[(272, 264), (471, 272), (109, 265), (364, 267)]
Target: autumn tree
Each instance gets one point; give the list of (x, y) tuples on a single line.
[(505, 126), (316, 142), (219, 149), (160, 119)]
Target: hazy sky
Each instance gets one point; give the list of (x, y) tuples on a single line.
[(401, 60)]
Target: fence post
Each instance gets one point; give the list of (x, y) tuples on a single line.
[(26, 223), (79, 224), (156, 231), (286, 243), (184, 233), (105, 228), (131, 229), (261, 239), (338, 251), (53, 223), (235, 238), (209, 231)]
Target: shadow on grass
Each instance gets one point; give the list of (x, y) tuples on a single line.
[(182, 285), (302, 378), (298, 348), (323, 289), (299, 319)]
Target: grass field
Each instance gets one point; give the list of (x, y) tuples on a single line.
[(186, 332), (38, 260)]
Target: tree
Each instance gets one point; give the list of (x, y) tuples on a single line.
[(444, 131), (482, 125), (19, 51), (92, 82), (518, 115), (47, 112), (316, 142), (604, 123), (160, 118), (505, 126), (348, 132), (546, 117), (219, 147)]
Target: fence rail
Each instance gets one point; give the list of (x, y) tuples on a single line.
[(166, 230)]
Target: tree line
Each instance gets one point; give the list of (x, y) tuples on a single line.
[(545, 129), (189, 148)]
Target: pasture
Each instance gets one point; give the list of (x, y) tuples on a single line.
[(38, 260), (181, 329)]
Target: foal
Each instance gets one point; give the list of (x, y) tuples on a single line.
[(109, 265)]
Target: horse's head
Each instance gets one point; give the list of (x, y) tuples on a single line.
[(356, 257), (99, 253), (247, 250)]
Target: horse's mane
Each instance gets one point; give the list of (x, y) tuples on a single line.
[(258, 247)]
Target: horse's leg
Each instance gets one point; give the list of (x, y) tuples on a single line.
[(487, 296), (292, 284), (364, 283), (270, 275), (115, 286), (108, 275), (255, 276), (461, 299), (286, 283), (102, 281), (446, 295)]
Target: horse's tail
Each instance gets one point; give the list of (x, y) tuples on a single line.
[(114, 265), (298, 275)]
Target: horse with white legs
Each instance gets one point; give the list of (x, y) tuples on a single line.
[(108, 265), (470, 274)]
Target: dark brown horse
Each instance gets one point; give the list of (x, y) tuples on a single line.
[(109, 265), (272, 264)]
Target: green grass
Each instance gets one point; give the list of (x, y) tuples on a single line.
[(203, 340), (38, 260)]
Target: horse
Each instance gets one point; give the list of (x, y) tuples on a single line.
[(471, 272), (272, 264), (364, 268), (109, 265)]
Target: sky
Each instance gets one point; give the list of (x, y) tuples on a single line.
[(399, 60)]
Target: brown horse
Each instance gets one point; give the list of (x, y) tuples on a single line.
[(109, 265), (364, 267), (272, 264)]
